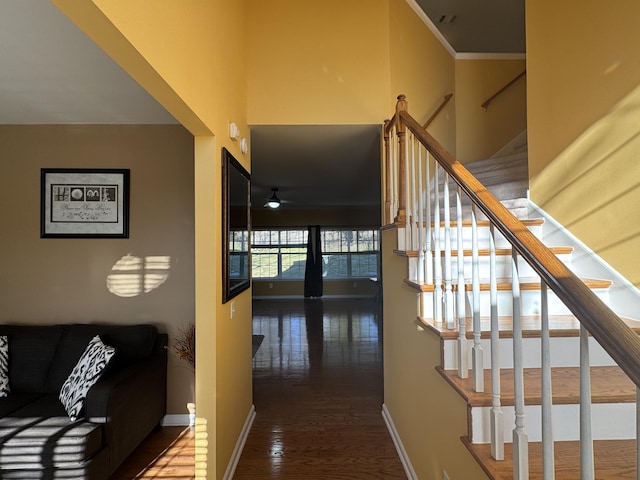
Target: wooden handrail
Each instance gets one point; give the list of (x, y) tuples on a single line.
[(622, 344), (485, 105), (447, 97)]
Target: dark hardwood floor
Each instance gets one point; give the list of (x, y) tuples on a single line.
[(318, 394), (167, 453), (318, 398)]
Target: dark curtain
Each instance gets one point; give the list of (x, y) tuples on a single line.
[(313, 270)]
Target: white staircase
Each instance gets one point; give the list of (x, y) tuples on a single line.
[(613, 410)]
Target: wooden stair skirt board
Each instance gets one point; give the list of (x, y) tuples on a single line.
[(614, 460)]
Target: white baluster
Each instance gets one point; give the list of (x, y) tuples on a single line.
[(448, 292), (476, 352), (421, 232), (429, 252), (413, 194), (548, 462), (497, 417), (463, 367), (587, 471), (437, 252), (520, 439), (637, 433)]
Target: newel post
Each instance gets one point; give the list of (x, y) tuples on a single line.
[(402, 106), (388, 216)]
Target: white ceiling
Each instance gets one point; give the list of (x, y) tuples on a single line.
[(51, 73), (480, 26)]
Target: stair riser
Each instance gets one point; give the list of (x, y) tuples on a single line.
[(529, 303), (609, 421), (503, 268), (483, 237), (565, 352)]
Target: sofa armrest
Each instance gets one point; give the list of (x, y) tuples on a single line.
[(130, 403)]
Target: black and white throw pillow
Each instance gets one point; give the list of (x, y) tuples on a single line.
[(87, 371), (4, 366)]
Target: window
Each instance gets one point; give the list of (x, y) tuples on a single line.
[(347, 253)]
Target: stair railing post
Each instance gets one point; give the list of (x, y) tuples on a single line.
[(429, 226), (421, 227), (477, 362), (587, 469), (497, 416), (437, 252), (401, 106), (520, 438), (637, 433), (388, 214), (412, 192), (548, 462), (448, 292), (463, 364)]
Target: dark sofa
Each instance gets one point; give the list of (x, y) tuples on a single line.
[(37, 438)]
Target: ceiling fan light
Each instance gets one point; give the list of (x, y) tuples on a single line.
[(274, 201)]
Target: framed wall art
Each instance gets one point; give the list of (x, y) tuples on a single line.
[(236, 227), (84, 202)]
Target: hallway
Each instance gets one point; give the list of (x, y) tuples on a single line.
[(318, 393)]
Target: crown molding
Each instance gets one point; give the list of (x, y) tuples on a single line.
[(490, 56), (431, 26)]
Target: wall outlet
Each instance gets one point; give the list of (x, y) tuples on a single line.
[(233, 309), (270, 285), (355, 284)]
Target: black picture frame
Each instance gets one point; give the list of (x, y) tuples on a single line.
[(84, 203), (236, 227)]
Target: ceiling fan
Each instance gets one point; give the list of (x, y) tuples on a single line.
[(273, 201)]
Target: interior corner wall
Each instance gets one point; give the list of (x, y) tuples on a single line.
[(428, 416), (583, 111), (480, 132), (427, 413), (423, 70), (65, 280), (191, 57), (317, 63)]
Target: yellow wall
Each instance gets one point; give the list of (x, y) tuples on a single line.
[(481, 133), (191, 57), (423, 70), (428, 416), (427, 413), (314, 63), (65, 280), (584, 106)]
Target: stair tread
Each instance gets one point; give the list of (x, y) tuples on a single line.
[(614, 459), (504, 284), (559, 326), (609, 384), (483, 252)]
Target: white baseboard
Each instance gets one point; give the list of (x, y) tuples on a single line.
[(404, 457), (176, 420), (237, 451)]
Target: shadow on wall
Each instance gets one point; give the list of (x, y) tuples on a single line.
[(132, 276), (593, 186)]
